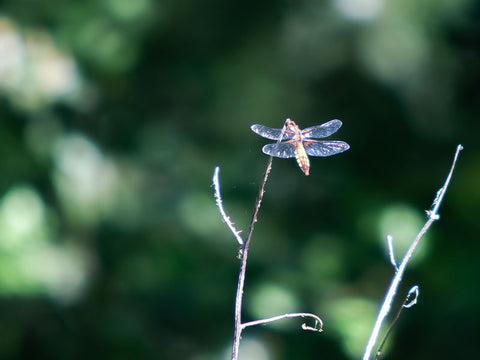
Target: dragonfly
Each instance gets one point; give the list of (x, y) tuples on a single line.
[(300, 143)]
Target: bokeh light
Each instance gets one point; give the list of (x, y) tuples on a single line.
[(34, 263), (34, 72), (85, 179), (254, 349), (403, 223), (269, 300), (351, 318), (361, 10)]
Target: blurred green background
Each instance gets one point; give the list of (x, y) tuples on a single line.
[(113, 116)]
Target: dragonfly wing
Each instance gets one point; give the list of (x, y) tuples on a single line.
[(281, 150), (324, 148), (321, 131), (270, 133)]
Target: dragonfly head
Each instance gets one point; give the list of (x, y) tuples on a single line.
[(290, 125)]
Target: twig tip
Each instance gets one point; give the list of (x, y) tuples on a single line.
[(218, 200), (391, 252)]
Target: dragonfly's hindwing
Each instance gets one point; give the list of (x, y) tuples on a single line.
[(282, 150)]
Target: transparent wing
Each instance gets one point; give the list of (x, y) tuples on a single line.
[(270, 133), (281, 150), (324, 148), (321, 131)]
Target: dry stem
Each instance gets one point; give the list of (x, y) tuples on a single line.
[(387, 302), (244, 246)]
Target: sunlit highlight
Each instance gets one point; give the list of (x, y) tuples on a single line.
[(254, 349), (128, 10), (351, 318), (198, 215), (62, 271), (272, 299), (33, 263), (86, 180), (33, 71), (22, 217), (360, 10)]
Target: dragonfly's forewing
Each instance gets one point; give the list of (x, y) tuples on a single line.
[(270, 133), (324, 148), (281, 150), (321, 131)]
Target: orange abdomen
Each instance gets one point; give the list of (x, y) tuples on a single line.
[(302, 158)]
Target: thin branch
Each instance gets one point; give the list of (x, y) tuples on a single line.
[(387, 302), (244, 254), (318, 322), (407, 303), (218, 200)]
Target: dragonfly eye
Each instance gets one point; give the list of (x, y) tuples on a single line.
[(289, 123)]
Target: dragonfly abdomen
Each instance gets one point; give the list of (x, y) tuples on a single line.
[(302, 158)]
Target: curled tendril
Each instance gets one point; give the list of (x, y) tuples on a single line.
[(318, 327), (414, 291)]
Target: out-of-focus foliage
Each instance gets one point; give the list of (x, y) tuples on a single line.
[(113, 115)]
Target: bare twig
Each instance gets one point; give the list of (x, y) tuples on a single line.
[(441, 193), (244, 254), (387, 302), (407, 303), (218, 199)]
